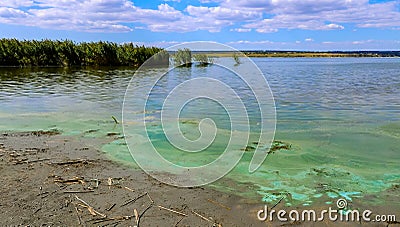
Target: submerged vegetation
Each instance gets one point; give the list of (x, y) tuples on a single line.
[(203, 59), (14, 52), (236, 59), (183, 58), (275, 146)]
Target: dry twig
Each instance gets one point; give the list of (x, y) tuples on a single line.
[(79, 217), (70, 162), (219, 204), (112, 206), (136, 217), (201, 216), (173, 211), (87, 191), (129, 189), (133, 200), (90, 208)]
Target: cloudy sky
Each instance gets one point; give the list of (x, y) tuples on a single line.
[(244, 24)]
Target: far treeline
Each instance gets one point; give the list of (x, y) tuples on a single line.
[(64, 53), (322, 54)]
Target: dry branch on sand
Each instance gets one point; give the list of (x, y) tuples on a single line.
[(90, 208)]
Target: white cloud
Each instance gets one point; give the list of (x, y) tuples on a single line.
[(16, 3), (120, 15), (240, 30), (259, 5), (322, 15), (263, 16), (221, 13), (250, 42), (265, 30), (334, 26), (11, 13), (309, 40), (317, 46), (210, 1), (288, 22)]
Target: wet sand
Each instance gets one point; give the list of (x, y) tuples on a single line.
[(54, 180)]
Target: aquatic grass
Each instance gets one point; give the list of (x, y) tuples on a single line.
[(236, 59), (14, 52), (202, 59), (183, 58)]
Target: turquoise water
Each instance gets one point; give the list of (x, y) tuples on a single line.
[(342, 117)]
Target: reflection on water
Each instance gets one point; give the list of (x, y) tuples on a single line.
[(342, 117)]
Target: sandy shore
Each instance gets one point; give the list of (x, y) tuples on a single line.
[(54, 180)]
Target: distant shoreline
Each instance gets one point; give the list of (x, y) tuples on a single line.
[(314, 54)]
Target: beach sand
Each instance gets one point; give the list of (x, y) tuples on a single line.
[(54, 180)]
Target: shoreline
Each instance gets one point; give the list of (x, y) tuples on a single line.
[(42, 184)]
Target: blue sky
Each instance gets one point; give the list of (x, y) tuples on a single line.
[(243, 24)]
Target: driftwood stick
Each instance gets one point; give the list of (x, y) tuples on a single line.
[(71, 181), (97, 221), (144, 211), (135, 212), (79, 217), (277, 202), (151, 200), (70, 162), (50, 193), (173, 211), (112, 206), (219, 204), (201, 216), (113, 219), (90, 208), (20, 161), (87, 191), (129, 189), (115, 120), (109, 182), (179, 222), (133, 200), (39, 160)]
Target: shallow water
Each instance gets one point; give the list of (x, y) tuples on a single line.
[(342, 117)]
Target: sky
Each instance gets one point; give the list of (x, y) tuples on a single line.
[(243, 24)]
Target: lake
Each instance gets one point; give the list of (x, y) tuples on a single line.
[(341, 116)]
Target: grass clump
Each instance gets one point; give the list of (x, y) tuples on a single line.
[(183, 58), (46, 52)]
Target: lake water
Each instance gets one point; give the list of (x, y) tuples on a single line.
[(341, 115)]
